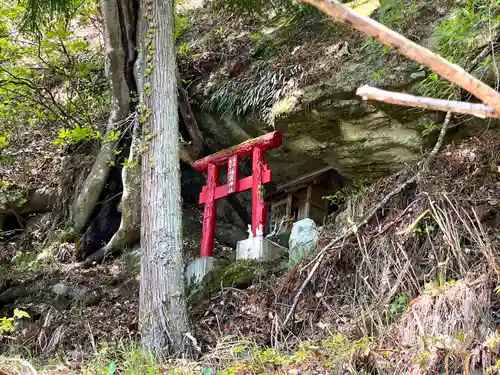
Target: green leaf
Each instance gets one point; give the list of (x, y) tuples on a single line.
[(112, 136), (6, 325), (392, 308), (3, 142), (19, 314), (51, 34), (129, 164), (111, 369)]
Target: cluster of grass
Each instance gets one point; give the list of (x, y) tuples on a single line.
[(457, 41), (230, 357), (238, 98)]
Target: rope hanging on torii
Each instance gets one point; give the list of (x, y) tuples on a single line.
[(230, 158)]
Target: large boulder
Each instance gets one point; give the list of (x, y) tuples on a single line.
[(323, 121), (303, 240)]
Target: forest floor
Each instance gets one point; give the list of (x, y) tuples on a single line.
[(412, 292)]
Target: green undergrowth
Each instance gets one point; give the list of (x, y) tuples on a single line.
[(459, 33), (337, 353), (231, 357), (459, 39), (11, 194)]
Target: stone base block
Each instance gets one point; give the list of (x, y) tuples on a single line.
[(198, 268), (258, 248)]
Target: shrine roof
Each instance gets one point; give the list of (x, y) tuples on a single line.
[(299, 182)]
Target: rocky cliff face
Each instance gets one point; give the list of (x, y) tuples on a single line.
[(301, 78)]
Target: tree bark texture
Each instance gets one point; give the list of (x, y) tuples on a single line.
[(88, 196), (162, 307)]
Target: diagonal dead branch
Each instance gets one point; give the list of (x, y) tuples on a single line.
[(478, 110), (415, 52), (354, 228)]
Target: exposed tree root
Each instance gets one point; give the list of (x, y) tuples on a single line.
[(93, 185), (36, 201), (189, 119), (129, 231)]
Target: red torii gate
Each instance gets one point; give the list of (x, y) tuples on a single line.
[(231, 157)]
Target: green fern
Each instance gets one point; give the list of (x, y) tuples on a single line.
[(250, 95), (36, 11)]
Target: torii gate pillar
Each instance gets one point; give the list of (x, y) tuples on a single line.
[(211, 192)]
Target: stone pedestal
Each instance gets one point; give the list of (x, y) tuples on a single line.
[(258, 248), (198, 268)]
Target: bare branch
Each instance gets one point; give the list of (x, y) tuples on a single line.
[(452, 72), (189, 119), (354, 228), (479, 110)]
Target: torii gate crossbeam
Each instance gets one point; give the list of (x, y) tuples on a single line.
[(211, 192)]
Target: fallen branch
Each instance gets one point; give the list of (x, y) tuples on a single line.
[(354, 228), (302, 287), (439, 142), (479, 110), (436, 63)]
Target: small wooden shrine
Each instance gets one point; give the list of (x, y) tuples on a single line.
[(303, 197)]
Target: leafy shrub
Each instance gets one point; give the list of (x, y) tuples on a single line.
[(51, 61), (83, 134), (348, 192), (7, 323), (183, 50), (180, 26), (456, 41), (3, 141)]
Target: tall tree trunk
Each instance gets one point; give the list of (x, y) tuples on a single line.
[(162, 306), (88, 196)]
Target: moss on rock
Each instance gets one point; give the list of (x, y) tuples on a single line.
[(236, 274)]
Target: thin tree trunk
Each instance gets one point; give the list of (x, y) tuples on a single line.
[(88, 196), (189, 119), (162, 306), (130, 206)]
